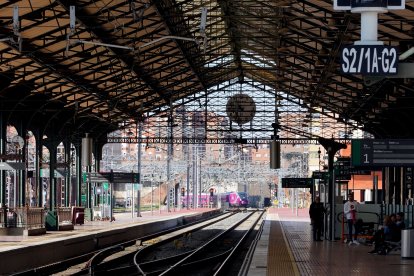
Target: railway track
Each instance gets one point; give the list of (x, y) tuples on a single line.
[(209, 245), (204, 251)]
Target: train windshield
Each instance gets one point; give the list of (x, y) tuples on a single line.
[(243, 195)]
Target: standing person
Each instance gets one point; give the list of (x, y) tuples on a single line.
[(350, 212), (316, 212)]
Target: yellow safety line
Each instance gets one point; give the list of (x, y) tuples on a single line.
[(294, 264)]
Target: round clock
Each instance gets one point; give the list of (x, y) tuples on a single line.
[(241, 108), (18, 141)]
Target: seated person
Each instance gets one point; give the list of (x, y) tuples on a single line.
[(400, 220), (388, 232), (400, 225)]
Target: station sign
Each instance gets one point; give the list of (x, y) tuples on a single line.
[(125, 177), (111, 177), (342, 168), (320, 175), (96, 177), (382, 152), (355, 171), (297, 182), (374, 60)]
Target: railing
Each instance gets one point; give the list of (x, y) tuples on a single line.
[(31, 218), (22, 217), (64, 215)]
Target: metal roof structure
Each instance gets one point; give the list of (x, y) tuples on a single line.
[(126, 60)]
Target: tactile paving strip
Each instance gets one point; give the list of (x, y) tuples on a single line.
[(280, 260), (299, 238)]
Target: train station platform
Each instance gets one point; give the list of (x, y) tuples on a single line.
[(19, 253), (286, 248)]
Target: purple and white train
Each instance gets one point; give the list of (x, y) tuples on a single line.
[(235, 199)]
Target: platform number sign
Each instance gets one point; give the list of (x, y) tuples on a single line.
[(382, 152), (369, 60)]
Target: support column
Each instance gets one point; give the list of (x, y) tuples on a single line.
[(398, 185), (87, 146), (78, 184), (386, 185), (169, 156), (375, 184), (52, 179), (392, 183), (139, 152), (39, 155), (3, 133), (97, 152), (331, 148), (68, 175), (194, 178), (22, 173)]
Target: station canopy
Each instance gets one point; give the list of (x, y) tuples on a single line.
[(117, 62)]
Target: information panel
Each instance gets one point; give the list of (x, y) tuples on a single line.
[(382, 153), (342, 168), (349, 4), (320, 175), (112, 177), (297, 182)]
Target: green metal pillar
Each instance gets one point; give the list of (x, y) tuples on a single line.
[(68, 173), (52, 179), (39, 156), (22, 173), (78, 184)]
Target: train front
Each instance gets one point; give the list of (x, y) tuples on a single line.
[(243, 199)]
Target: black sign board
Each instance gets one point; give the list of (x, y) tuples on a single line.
[(388, 4), (342, 168), (374, 60), (297, 182), (355, 171), (96, 177), (125, 177), (382, 153), (320, 175), (112, 177)]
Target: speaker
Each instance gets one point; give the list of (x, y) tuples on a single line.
[(87, 151), (275, 155)]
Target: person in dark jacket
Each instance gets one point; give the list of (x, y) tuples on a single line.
[(388, 232), (316, 213), (400, 224)]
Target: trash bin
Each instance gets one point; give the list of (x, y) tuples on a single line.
[(78, 215), (407, 243), (11, 219)]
